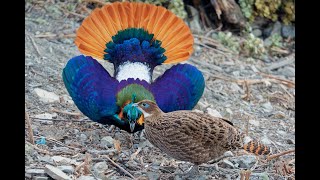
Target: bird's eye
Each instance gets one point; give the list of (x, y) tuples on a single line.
[(145, 105)]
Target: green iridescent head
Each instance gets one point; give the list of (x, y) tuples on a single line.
[(132, 113)]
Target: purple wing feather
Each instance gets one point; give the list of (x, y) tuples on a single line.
[(179, 88)]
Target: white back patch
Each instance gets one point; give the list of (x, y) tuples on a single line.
[(133, 70)]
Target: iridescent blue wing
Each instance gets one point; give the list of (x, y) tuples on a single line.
[(179, 88), (91, 87)]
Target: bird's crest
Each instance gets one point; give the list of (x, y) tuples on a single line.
[(148, 33)]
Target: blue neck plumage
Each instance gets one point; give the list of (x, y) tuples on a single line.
[(135, 51)]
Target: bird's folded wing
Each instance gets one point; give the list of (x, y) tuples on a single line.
[(91, 87), (179, 88)]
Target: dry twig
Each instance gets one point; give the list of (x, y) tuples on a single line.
[(115, 164), (67, 113), (280, 154), (35, 45), (29, 126)]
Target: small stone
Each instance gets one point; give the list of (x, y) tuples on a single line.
[(288, 71), (40, 178), (265, 140), (236, 88), (107, 141), (66, 99), (99, 169), (267, 31), (153, 175), (56, 173), (267, 107), (259, 176), (64, 161), (76, 131), (245, 161), (66, 169), (236, 73), (288, 31), (229, 111), (226, 164), (228, 153), (282, 133), (44, 116), (35, 171), (194, 22), (254, 122), (197, 110), (86, 178), (83, 137), (46, 97), (257, 32), (145, 143), (276, 28), (213, 113), (290, 141)]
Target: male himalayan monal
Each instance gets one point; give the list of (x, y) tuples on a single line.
[(135, 37)]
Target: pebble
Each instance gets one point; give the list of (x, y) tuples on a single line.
[(228, 153), (290, 141), (66, 99), (288, 31), (35, 171), (259, 176), (257, 32), (67, 169), (288, 71), (245, 161), (56, 173), (144, 144), (44, 116), (213, 113), (254, 122), (46, 96), (83, 137), (265, 140), (236, 88), (99, 169), (267, 107), (40, 178), (86, 178), (107, 141), (153, 175), (64, 161), (226, 164)]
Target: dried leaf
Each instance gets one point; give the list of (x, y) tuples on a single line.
[(116, 144)]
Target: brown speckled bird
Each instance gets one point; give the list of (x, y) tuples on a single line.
[(191, 136)]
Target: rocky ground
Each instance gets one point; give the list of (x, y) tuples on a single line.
[(258, 96)]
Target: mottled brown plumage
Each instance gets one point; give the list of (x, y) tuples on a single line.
[(187, 135)]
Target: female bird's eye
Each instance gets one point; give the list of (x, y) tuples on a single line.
[(145, 105)]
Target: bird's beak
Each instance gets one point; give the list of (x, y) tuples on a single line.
[(132, 125), (135, 104)]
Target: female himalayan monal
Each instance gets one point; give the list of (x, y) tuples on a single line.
[(192, 136), (135, 37)]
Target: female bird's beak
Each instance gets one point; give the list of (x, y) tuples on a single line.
[(135, 104)]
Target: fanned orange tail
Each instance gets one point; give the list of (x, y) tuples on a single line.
[(103, 24)]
